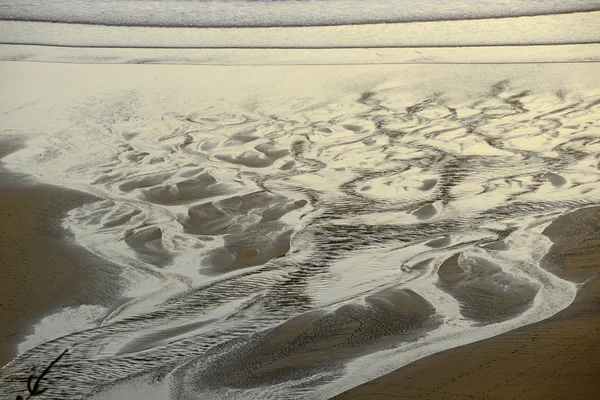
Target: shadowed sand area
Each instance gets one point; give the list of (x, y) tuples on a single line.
[(42, 269), (558, 358), (318, 341), (485, 292)]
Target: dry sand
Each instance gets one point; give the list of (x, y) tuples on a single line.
[(42, 269), (558, 358)]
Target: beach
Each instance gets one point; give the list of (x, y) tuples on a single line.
[(295, 231), (554, 359), (305, 199), (44, 271)]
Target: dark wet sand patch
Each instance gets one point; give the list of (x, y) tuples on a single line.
[(555, 179), (352, 127), (498, 245), (147, 243), (43, 270), (426, 212), (486, 294), (288, 165), (319, 341), (575, 254), (428, 184)]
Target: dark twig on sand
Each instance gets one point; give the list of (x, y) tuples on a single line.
[(35, 390)]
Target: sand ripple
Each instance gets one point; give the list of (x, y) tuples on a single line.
[(276, 248)]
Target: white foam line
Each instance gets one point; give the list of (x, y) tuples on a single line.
[(418, 55), (445, 305), (541, 29)]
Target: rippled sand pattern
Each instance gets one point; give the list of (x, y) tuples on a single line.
[(281, 247)]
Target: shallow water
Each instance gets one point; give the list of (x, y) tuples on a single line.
[(205, 13), (291, 232)]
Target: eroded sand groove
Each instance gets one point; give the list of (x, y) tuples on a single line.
[(270, 250)]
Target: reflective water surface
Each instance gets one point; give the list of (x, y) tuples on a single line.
[(284, 241)]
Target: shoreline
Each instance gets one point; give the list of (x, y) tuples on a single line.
[(563, 53), (551, 359), (566, 29), (136, 161), (59, 273)]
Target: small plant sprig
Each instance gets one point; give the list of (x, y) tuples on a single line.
[(34, 388)]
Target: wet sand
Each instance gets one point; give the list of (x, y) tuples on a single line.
[(554, 359), (43, 270), (557, 358), (305, 273)]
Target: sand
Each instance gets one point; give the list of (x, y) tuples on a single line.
[(304, 272), (557, 358), (43, 271), (554, 359)]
